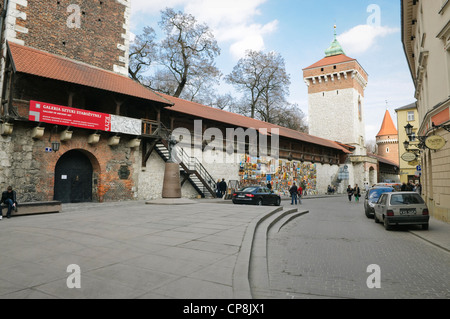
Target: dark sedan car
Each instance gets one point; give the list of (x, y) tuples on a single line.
[(256, 195), (372, 197)]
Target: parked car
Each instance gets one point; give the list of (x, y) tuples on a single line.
[(256, 195), (396, 186), (402, 208), (372, 197)]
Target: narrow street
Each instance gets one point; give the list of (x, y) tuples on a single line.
[(326, 254)]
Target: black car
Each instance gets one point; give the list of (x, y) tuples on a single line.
[(372, 197), (256, 195)]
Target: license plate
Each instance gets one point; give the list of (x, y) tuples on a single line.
[(241, 196), (411, 211)]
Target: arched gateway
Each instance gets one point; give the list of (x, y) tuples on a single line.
[(73, 178)]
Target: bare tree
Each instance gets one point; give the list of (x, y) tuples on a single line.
[(372, 147), (264, 81), (180, 65), (189, 49), (142, 55)]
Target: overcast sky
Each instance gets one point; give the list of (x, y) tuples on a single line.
[(369, 31)]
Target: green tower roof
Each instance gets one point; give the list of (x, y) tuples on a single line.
[(335, 48)]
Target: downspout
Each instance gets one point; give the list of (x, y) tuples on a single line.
[(2, 43)]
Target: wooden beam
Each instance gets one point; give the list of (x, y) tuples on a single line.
[(147, 150)]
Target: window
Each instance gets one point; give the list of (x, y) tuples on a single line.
[(411, 116), (335, 67), (387, 150), (360, 110)]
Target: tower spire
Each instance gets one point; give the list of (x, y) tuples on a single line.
[(335, 48)]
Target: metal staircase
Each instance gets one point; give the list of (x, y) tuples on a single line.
[(191, 170)]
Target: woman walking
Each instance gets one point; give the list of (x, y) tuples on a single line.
[(349, 193), (357, 193)]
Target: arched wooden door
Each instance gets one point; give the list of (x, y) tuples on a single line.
[(73, 178)]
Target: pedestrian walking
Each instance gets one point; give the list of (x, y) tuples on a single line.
[(9, 199), (350, 193), (294, 192), (300, 194), (357, 193), (223, 188)]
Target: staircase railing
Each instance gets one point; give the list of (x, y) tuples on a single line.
[(194, 167)]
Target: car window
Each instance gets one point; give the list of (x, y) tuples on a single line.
[(248, 189), (406, 199), (376, 193), (382, 199), (261, 190)]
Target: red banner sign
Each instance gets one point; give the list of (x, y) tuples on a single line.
[(67, 116)]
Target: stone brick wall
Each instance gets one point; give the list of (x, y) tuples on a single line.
[(336, 83), (30, 170), (340, 112), (150, 183), (92, 31)]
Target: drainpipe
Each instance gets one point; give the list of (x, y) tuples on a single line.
[(2, 42)]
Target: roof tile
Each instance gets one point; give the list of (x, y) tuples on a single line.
[(43, 64)]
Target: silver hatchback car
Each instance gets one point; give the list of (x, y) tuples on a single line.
[(402, 208)]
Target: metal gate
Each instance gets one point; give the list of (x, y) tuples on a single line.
[(73, 178)]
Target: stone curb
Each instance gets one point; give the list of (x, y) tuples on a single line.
[(261, 248), (241, 283)]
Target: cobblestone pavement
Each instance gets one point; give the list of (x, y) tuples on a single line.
[(326, 253)]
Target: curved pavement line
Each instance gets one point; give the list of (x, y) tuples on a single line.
[(241, 274), (259, 272)]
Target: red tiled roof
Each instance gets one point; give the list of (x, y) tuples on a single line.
[(43, 64), (206, 112), (336, 59), (388, 127), (384, 160)]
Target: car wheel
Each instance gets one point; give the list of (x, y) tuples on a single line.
[(367, 213), (377, 221), (278, 202), (260, 202), (425, 226), (386, 225)]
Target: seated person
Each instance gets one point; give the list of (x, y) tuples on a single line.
[(9, 199)]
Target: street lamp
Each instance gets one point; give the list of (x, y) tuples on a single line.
[(409, 129), (55, 146)]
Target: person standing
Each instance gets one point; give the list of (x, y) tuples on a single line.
[(269, 186), (349, 193), (294, 192), (9, 199), (357, 193)]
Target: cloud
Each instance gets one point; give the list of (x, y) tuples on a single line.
[(232, 21), (363, 37)]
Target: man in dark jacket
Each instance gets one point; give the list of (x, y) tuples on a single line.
[(223, 187), (294, 192), (9, 199)]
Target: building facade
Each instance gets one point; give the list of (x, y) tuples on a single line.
[(75, 128), (426, 41), (408, 165), (336, 86)]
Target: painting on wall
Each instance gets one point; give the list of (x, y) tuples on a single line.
[(281, 174)]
